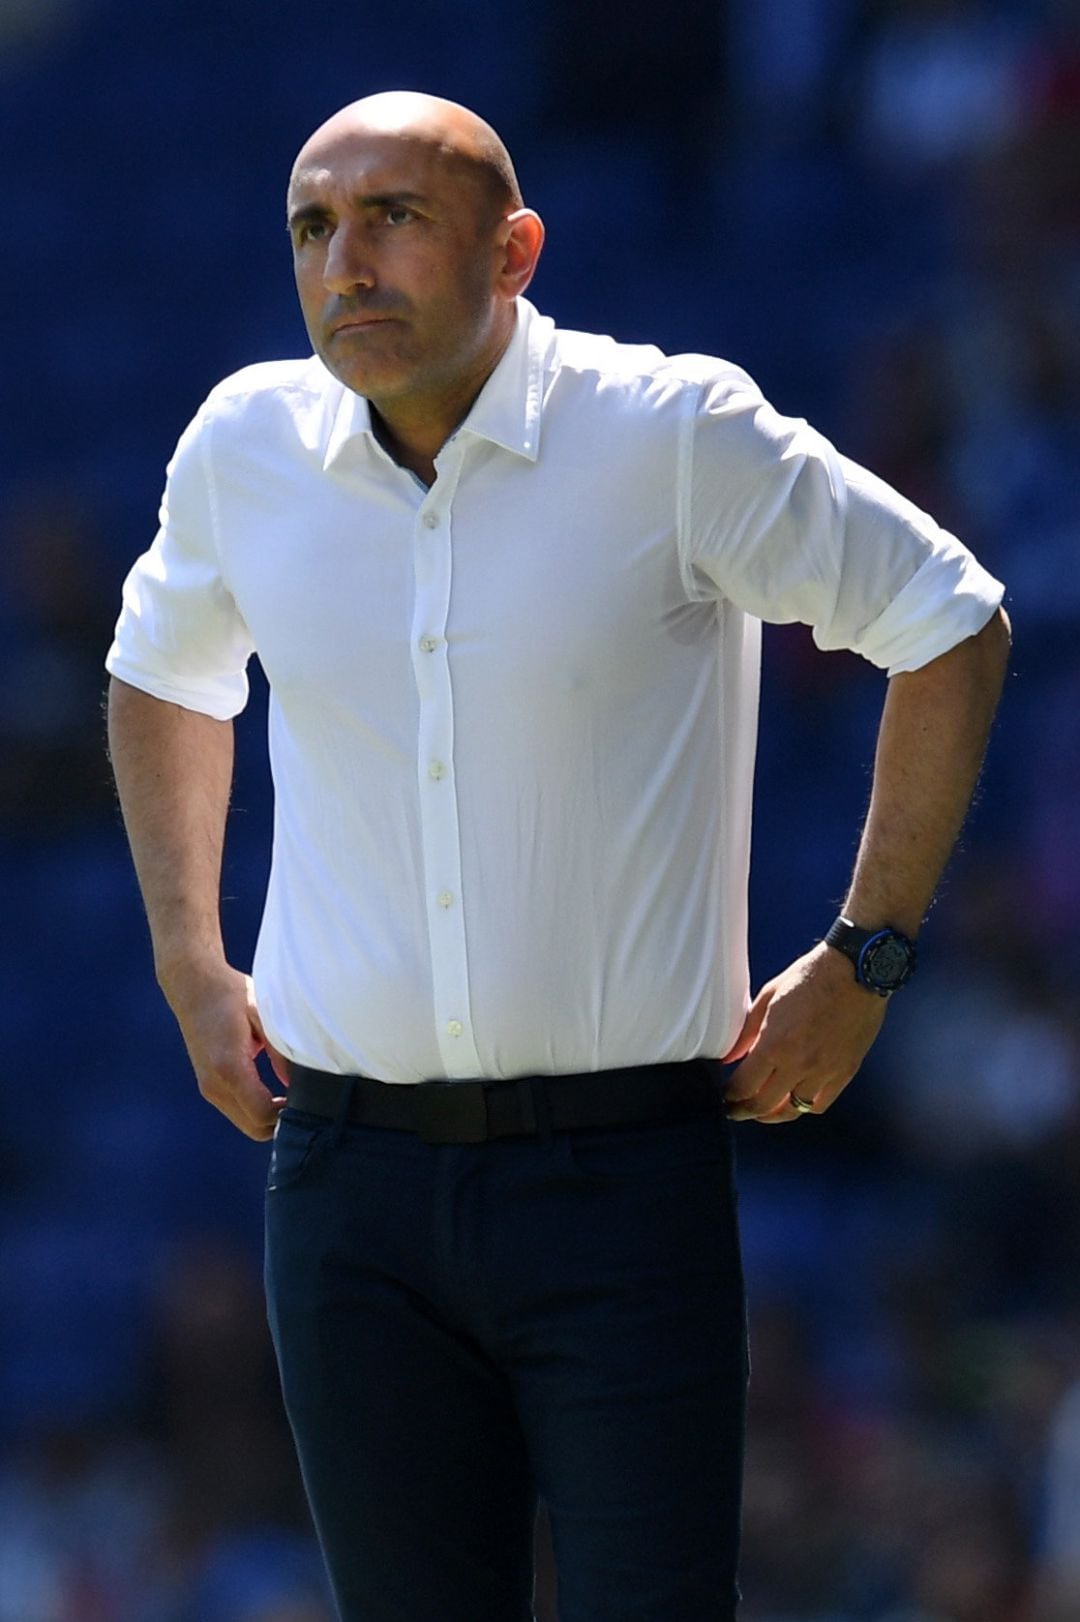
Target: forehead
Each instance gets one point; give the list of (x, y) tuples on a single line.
[(364, 162)]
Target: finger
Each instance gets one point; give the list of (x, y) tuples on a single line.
[(753, 1074), (278, 1064), (256, 1105), (820, 1096), (778, 1115), (260, 1128), (236, 1089), (771, 1103), (828, 1092), (786, 1111), (750, 1028), (763, 1098)]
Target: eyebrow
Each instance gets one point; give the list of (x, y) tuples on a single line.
[(309, 212)]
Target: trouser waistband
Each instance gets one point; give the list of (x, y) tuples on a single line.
[(528, 1106)]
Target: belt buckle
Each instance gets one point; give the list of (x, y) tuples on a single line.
[(452, 1111)]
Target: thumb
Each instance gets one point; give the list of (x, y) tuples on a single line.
[(751, 1026), (278, 1063), (277, 1060)]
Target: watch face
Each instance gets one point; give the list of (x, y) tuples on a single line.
[(887, 962)]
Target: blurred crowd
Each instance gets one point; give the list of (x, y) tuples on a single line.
[(872, 205)]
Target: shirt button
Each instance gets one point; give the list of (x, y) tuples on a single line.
[(445, 898), (454, 1027), (436, 770), (431, 520), (429, 643)]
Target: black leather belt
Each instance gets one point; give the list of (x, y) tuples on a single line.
[(528, 1106)]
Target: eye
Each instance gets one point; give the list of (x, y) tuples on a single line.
[(398, 214), (312, 231)]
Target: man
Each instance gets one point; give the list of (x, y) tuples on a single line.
[(505, 583)]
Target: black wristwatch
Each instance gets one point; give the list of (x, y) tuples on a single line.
[(884, 959)]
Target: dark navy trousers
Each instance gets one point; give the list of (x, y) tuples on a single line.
[(463, 1328)]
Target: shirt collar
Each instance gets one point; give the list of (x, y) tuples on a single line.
[(506, 411)]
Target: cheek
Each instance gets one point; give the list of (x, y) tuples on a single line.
[(308, 292), (456, 304)]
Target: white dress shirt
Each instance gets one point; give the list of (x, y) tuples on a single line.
[(513, 716)]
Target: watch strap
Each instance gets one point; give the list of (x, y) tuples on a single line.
[(858, 945)]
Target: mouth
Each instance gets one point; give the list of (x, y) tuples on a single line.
[(363, 323)]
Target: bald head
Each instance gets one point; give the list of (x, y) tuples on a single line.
[(410, 251), (451, 134)]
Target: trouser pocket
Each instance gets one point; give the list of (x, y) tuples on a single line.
[(298, 1139)]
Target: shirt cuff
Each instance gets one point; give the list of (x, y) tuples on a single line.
[(221, 700), (944, 602)]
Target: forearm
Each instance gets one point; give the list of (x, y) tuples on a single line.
[(173, 770), (933, 735)]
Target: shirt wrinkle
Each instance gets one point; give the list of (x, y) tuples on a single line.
[(514, 714)]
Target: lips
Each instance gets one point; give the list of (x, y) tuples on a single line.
[(360, 323)]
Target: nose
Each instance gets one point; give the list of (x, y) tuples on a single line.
[(348, 263)]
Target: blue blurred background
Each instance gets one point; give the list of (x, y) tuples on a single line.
[(872, 205)]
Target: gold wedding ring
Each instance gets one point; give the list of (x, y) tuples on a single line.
[(803, 1106)]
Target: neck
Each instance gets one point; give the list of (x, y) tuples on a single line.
[(414, 431), (412, 444)]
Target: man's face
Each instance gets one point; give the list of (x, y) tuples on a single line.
[(395, 256)]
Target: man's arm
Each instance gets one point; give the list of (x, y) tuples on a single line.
[(809, 1030), (173, 770)]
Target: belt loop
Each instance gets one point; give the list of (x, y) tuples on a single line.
[(541, 1108), (341, 1114)]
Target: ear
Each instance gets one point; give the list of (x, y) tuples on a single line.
[(520, 239)]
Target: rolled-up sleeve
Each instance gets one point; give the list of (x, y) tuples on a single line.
[(180, 636), (784, 527)]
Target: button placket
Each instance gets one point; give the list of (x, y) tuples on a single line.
[(440, 835)]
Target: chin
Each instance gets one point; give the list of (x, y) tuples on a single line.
[(372, 381)]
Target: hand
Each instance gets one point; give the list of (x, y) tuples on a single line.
[(223, 1034), (807, 1032)]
